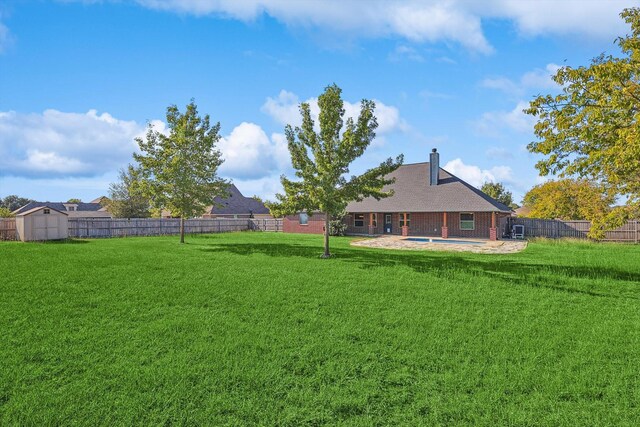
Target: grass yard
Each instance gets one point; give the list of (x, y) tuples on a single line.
[(255, 329)]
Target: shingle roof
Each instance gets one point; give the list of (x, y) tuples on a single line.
[(237, 204), (412, 193), (37, 208), (59, 206)]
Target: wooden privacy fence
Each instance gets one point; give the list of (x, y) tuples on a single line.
[(107, 227), (266, 224), (8, 229), (554, 228)]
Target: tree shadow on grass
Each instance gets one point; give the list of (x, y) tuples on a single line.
[(502, 268)]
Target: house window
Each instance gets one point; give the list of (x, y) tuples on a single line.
[(375, 220), (467, 221), (304, 218), (46, 211), (402, 219), (358, 220)]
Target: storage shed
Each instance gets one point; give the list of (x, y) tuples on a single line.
[(42, 223)]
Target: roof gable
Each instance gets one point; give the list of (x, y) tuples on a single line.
[(237, 204), (412, 193), (38, 208), (60, 206)]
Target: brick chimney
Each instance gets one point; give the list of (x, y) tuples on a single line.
[(434, 167)]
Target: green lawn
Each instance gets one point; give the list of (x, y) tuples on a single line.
[(256, 329)]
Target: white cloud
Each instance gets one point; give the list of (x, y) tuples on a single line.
[(405, 52), (284, 109), (457, 21), (532, 80), (5, 38), (417, 21), (578, 17), (58, 144), (490, 123), (250, 154), (476, 176), (266, 187)]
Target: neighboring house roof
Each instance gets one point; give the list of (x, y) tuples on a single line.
[(236, 204), (37, 208), (412, 193), (92, 210)]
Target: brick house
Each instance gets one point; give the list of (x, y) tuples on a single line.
[(427, 201)]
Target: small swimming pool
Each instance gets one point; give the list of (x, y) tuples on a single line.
[(451, 241)]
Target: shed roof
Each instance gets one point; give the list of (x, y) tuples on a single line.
[(412, 193), (60, 206), (37, 208)]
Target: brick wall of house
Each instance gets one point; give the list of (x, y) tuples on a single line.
[(427, 224), (352, 229), (315, 225)]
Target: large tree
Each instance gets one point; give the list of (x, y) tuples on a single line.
[(180, 170), (126, 196), (498, 192), (322, 160), (5, 213), (567, 199), (14, 202), (591, 129)]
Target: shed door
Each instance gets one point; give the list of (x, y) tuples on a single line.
[(45, 227), (39, 227)]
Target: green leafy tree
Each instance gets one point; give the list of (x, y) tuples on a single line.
[(591, 129), (14, 202), (322, 160), (179, 170), (498, 192), (126, 196), (568, 199), (337, 226), (74, 200), (5, 213)]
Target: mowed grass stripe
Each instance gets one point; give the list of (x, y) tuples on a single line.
[(256, 329)]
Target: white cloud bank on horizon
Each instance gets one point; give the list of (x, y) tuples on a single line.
[(458, 21), (55, 144), (476, 176), (59, 144)]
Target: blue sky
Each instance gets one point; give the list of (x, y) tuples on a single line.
[(80, 79)]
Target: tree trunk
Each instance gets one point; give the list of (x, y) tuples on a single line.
[(181, 229), (327, 218)]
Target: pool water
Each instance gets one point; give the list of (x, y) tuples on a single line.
[(451, 241)]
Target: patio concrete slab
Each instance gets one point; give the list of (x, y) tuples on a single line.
[(483, 246)]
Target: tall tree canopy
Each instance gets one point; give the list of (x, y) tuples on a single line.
[(126, 196), (74, 200), (498, 192), (179, 170), (567, 199), (322, 159), (14, 202), (592, 129)]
